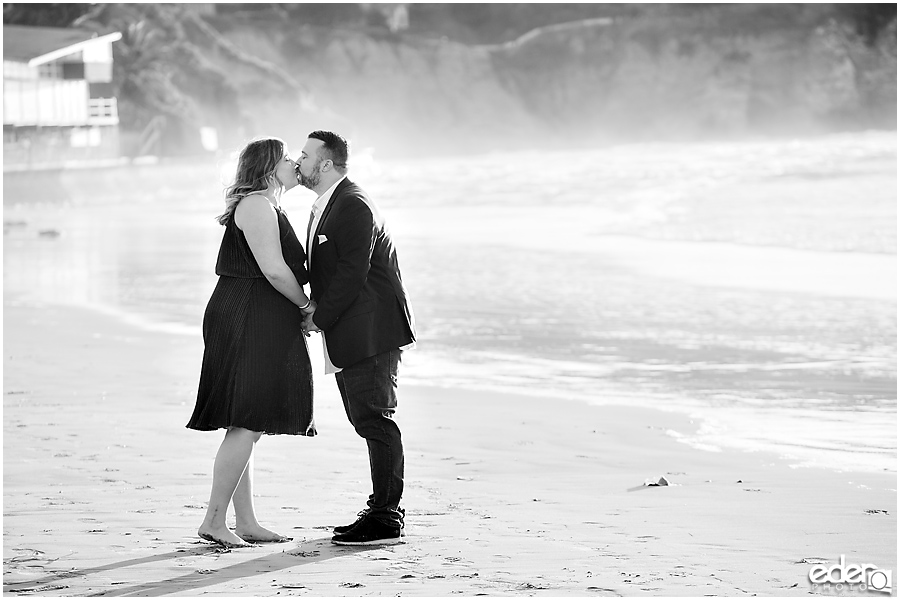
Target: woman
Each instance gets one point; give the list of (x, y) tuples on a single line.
[(256, 376)]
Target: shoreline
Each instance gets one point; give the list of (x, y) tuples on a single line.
[(712, 264), (506, 494), (717, 428)]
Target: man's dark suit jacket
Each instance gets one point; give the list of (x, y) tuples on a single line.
[(363, 307)]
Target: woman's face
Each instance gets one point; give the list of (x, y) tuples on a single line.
[(285, 172)]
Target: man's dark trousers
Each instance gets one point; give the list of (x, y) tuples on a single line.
[(369, 391)]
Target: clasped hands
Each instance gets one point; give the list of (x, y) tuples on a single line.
[(308, 326)]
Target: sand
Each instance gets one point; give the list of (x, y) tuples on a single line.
[(506, 496)]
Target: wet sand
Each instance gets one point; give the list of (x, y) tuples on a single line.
[(506, 495)]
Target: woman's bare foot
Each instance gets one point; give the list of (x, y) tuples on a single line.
[(224, 536), (258, 533)]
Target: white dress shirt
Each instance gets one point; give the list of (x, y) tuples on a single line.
[(317, 209)]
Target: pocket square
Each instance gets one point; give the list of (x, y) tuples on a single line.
[(322, 239)]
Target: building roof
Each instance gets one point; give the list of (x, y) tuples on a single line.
[(36, 45)]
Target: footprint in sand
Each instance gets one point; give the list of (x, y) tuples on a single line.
[(531, 586), (601, 589), (27, 554), (39, 589)]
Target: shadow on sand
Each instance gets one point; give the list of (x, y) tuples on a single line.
[(308, 552)]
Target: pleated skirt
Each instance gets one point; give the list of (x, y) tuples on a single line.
[(256, 372)]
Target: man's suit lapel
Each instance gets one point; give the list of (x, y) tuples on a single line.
[(331, 201)]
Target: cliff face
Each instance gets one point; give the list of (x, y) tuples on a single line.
[(592, 81), (654, 78), (399, 95)]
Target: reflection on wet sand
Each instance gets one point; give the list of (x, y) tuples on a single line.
[(647, 275)]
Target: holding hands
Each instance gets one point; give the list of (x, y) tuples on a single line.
[(308, 311)]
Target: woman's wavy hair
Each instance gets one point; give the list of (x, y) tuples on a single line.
[(255, 172)]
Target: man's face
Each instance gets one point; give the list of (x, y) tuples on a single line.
[(309, 163)]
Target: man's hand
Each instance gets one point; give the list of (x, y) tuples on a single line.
[(308, 324)]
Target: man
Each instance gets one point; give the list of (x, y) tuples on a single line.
[(364, 315)]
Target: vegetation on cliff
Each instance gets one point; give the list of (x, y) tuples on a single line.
[(513, 66)]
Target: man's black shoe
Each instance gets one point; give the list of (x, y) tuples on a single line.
[(341, 529), (370, 532)]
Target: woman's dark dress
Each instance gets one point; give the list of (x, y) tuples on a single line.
[(256, 372)]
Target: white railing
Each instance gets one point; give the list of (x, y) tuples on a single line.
[(45, 102), (49, 103), (103, 111)]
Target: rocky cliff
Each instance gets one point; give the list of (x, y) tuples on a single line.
[(589, 81)]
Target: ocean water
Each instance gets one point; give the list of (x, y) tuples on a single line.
[(749, 284)]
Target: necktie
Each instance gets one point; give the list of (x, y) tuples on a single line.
[(313, 215)]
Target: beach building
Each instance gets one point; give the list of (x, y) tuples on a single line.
[(58, 101)]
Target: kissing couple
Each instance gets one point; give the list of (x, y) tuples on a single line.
[(256, 376)]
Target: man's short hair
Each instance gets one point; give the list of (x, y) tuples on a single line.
[(336, 146)]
